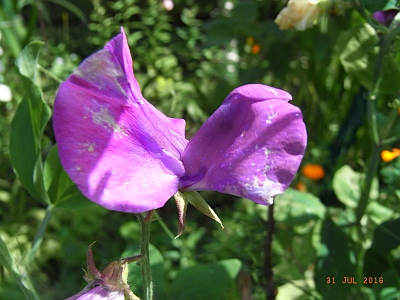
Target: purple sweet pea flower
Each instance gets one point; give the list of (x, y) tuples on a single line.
[(111, 283), (385, 17), (99, 292), (127, 156)]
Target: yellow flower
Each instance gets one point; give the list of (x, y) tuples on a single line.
[(387, 155), (250, 40), (298, 14), (313, 171)]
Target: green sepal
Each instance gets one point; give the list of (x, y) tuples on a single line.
[(197, 201)]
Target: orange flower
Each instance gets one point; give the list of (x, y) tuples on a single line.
[(387, 155), (256, 48), (313, 171), (301, 186)]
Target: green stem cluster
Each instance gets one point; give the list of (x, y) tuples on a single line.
[(145, 220), (378, 137)]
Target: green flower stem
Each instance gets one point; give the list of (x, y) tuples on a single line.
[(376, 136), (176, 242), (145, 220), (45, 71), (39, 234), (164, 226), (366, 189)]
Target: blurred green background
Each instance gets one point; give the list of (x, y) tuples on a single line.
[(339, 219)]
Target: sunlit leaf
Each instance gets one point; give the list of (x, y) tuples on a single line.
[(295, 207), (208, 281), (347, 185), (357, 53), (379, 213), (358, 50)]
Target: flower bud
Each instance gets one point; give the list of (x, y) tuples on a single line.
[(298, 14)]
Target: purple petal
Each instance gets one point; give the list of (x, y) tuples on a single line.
[(119, 149), (98, 293), (251, 146), (385, 17)]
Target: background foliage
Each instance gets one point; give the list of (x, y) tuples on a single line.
[(344, 73)]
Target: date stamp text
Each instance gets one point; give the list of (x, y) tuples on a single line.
[(352, 280)]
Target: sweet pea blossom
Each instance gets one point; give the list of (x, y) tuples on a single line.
[(298, 14), (386, 16), (125, 155), (111, 283)]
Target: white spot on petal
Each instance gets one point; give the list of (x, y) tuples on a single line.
[(105, 118), (266, 189), (89, 147), (271, 90), (272, 115)]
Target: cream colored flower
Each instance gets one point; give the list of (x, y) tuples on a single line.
[(5, 93), (298, 14)]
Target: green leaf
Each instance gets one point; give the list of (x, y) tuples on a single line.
[(208, 281), (7, 261), (379, 259), (379, 213), (386, 237), (377, 5), (391, 173), (389, 293), (333, 262), (60, 188), (347, 186), (197, 201), (390, 75), (356, 52), (72, 198), (28, 125), (294, 289), (295, 207)]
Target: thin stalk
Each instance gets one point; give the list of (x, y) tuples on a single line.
[(270, 290), (145, 266), (177, 243), (376, 136), (57, 79), (164, 226)]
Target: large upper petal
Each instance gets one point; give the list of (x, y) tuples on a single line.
[(119, 149), (251, 146)]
